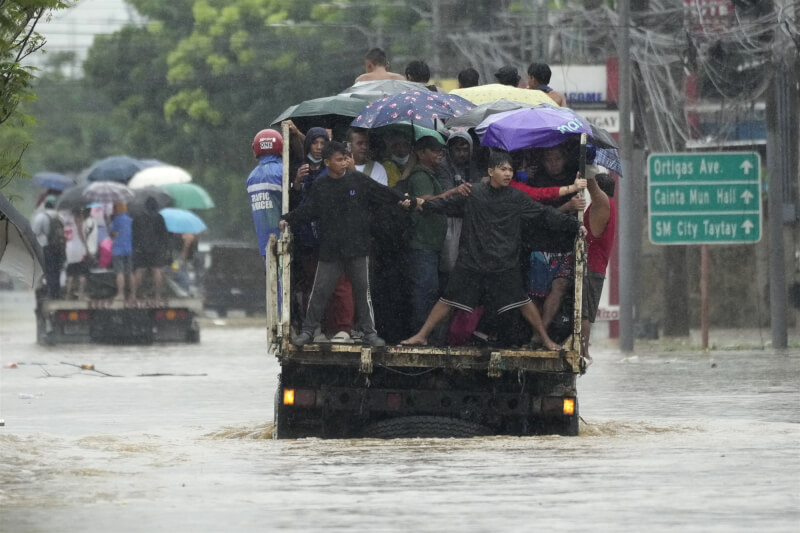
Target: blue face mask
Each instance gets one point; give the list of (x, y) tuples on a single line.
[(315, 160), (522, 175)]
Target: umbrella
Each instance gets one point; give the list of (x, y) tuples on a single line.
[(118, 168), (107, 192), (483, 94), (542, 127), (159, 175), (422, 108), (327, 111), (52, 180), (385, 87), (163, 199), (72, 198), (188, 195), (535, 127), (472, 118), (182, 221), (20, 253), (414, 131), (147, 163)]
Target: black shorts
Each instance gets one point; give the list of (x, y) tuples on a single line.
[(156, 259), (498, 291), (78, 269), (592, 289)]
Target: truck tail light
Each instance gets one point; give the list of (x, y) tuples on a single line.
[(299, 397), (569, 406)]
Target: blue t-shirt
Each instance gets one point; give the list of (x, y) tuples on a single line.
[(264, 188), (123, 242)]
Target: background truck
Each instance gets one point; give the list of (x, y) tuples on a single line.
[(102, 319)]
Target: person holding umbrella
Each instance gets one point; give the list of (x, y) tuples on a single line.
[(487, 267)]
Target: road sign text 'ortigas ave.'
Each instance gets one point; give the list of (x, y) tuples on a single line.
[(704, 198)]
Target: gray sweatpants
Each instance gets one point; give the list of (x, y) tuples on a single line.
[(325, 281)]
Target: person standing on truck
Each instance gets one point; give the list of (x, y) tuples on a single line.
[(376, 67), (360, 146), (81, 233), (601, 224), (264, 186), (554, 164), (538, 79), (49, 230), (488, 261), (151, 249), (341, 202), (122, 250)]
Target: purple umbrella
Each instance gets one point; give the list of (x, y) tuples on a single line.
[(536, 127), (418, 107)]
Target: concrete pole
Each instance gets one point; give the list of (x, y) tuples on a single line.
[(627, 201), (780, 153)]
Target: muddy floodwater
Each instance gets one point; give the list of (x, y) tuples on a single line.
[(178, 439)]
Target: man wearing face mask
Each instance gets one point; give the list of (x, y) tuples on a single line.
[(399, 148)]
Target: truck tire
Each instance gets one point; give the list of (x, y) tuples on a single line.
[(425, 427)]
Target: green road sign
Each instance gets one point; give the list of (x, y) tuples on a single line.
[(704, 198)]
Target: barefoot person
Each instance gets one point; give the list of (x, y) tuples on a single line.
[(488, 261)]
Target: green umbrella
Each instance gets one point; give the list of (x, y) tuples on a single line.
[(407, 128), (188, 195), (327, 111)]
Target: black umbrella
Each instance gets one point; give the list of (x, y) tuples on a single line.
[(72, 198), (20, 253), (136, 206)]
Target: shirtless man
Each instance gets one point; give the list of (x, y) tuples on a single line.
[(376, 66), (539, 77)]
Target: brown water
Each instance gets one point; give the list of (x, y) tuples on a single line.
[(670, 441)]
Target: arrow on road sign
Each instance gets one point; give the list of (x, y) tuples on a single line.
[(746, 166), (747, 225), (747, 196)]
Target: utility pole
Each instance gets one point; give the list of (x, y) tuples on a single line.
[(627, 230)]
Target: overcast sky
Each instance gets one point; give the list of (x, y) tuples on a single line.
[(74, 29)]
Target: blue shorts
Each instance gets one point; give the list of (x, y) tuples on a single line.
[(123, 264)]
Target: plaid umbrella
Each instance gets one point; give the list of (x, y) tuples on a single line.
[(107, 192), (421, 108)]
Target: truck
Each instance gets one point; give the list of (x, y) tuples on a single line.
[(101, 319), (333, 390)]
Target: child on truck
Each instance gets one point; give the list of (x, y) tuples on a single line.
[(341, 202), (488, 260)]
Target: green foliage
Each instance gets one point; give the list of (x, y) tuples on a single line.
[(18, 39)]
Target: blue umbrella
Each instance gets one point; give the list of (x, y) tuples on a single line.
[(119, 168), (52, 180), (418, 107), (182, 221)]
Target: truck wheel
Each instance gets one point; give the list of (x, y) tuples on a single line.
[(425, 427), (42, 337)]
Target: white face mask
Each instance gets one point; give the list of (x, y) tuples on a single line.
[(400, 160), (315, 160)]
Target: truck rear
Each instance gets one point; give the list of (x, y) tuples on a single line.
[(104, 320)]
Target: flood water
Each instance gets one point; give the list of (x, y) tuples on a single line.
[(180, 440)]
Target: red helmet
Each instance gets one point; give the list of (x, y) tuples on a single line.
[(267, 142)]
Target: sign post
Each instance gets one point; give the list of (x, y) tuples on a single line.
[(704, 198)]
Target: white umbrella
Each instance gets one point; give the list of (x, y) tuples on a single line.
[(155, 176)]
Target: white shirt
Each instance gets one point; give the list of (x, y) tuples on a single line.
[(41, 225), (378, 173)]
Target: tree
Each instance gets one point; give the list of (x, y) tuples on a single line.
[(18, 39)]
